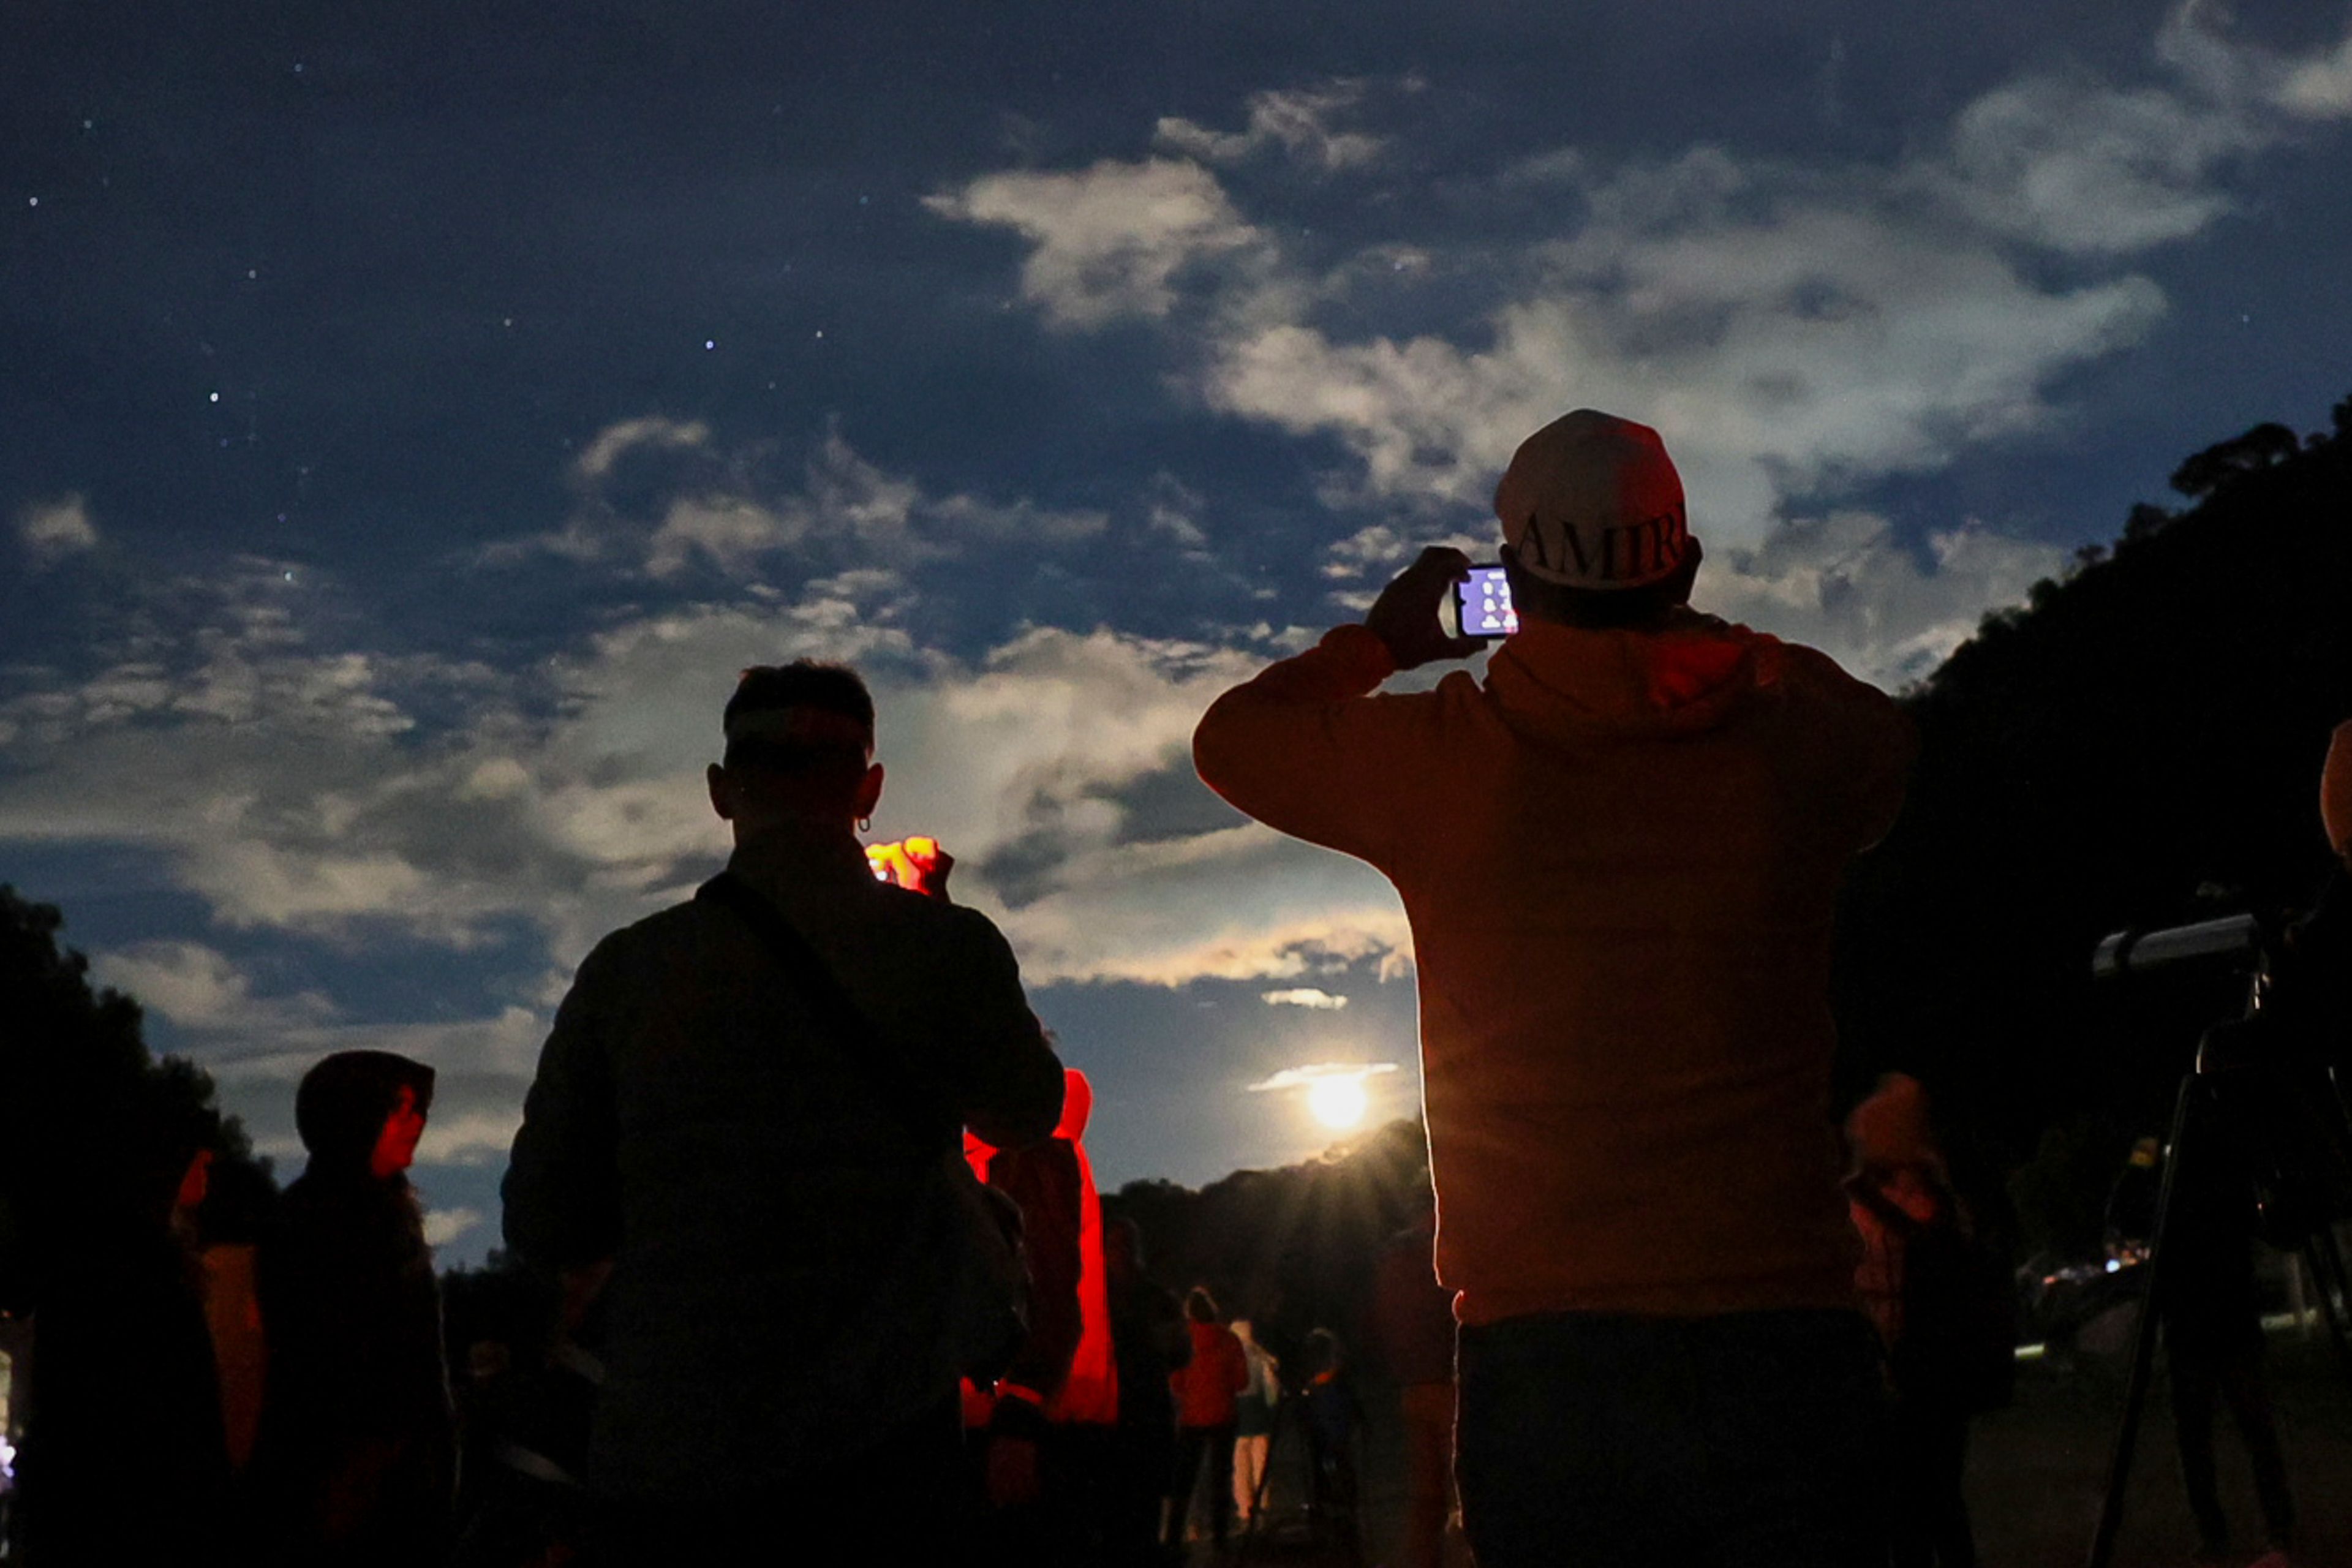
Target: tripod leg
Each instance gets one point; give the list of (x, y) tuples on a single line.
[(2111, 1508), (2325, 1260)]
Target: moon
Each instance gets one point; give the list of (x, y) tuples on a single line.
[(1338, 1102)]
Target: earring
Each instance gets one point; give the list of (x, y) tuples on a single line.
[(865, 825)]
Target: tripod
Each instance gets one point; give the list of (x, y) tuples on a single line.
[(1325, 1529), (2198, 1128)]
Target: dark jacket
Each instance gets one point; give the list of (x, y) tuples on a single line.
[(1043, 1179), (354, 1462), (125, 1461), (692, 1122)]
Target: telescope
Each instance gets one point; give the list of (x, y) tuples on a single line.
[(2291, 1132), (2131, 951)]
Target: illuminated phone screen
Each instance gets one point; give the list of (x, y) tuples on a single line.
[(1481, 603)]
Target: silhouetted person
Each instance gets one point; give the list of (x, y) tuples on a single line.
[(125, 1459), (356, 1461), (1620, 854), (1038, 1436), (526, 1446), (778, 1360), (2131, 1201), (1412, 1328), (1335, 1420), (1918, 1282), (1149, 1341), (1253, 1423), (1208, 1388), (2210, 1312)]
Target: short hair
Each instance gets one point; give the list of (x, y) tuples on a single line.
[(1200, 1306), (808, 687)]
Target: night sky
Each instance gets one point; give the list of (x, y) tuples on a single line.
[(412, 416)]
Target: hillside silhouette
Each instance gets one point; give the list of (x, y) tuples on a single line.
[(2150, 726)]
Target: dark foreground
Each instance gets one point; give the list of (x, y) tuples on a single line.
[(2037, 1471)]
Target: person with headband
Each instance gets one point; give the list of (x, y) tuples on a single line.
[(749, 1102)]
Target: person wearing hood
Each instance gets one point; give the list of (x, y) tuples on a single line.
[(1040, 1431), (1620, 854), (354, 1461)]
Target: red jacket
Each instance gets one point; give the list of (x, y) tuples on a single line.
[(1207, 1387)]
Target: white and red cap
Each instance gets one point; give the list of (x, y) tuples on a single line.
[(1592, 501)]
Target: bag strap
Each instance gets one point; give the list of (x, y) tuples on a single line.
[(913, 1103)]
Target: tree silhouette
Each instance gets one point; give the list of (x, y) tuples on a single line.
[(2260, 448), (81, 1099), (2150, 726), (1293, 1249)]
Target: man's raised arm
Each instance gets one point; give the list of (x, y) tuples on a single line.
[(1286, 747)]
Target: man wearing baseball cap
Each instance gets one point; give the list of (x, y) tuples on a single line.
[(1620, 852)]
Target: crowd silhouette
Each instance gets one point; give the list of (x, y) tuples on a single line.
[(809, 1255)]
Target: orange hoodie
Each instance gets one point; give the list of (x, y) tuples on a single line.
[(1619, 856)]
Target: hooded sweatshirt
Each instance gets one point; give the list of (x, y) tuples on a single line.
[(1065, 1367), (353, 1461), (1619, 855)]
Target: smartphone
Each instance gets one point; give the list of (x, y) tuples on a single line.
[(1481, 603)]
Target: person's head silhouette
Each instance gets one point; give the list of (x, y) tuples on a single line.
[(361, 1112), (800, 750)]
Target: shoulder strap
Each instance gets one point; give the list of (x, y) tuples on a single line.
[(916, 1104)]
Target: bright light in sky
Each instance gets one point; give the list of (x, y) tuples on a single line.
[(1338, 1093), (1338, 1102)]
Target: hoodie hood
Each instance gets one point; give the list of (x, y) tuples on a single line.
[(340, 1108), (1078, 1105), (1692, 675)]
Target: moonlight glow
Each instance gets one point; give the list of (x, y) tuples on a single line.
[(1338, 1102)]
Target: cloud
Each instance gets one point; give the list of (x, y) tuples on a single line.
[(1843, 583), (1789, 333), (1034, 766), (620, 438), (1795, 332), (729, 530), (1786, 338), (2320, 87), (1173, 509), (1319, 1072), (199, 988), (2083, 169), (662, 499), (1298, 120), (52, 531), (1382, 548), (475, 1136), (564, 798), (443, 1226), (1305, 996), (1107, 241), (1169, 913)]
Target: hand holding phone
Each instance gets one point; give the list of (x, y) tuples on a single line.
[(917, 865), (1405, 615)]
